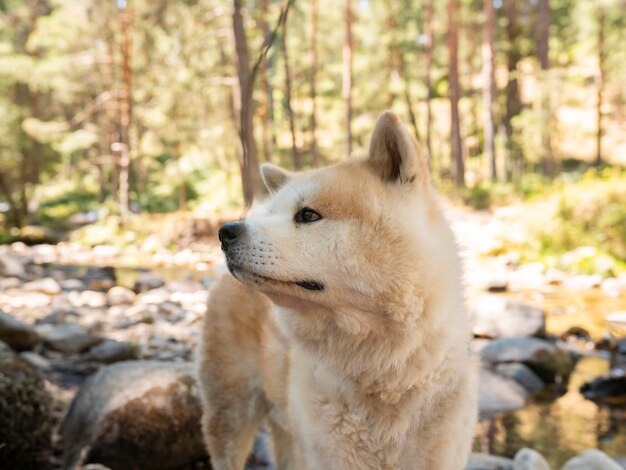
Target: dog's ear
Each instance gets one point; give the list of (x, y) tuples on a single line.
[(393, 153), (274, 177)]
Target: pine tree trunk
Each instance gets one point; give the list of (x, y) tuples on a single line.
[(347, 78), (515, 157), (489, 88), (125, 112), (543, 33), (428, 52), (314, 158), (601, 73), (295, 157), (457, 164), (250, 179), (266, 102)]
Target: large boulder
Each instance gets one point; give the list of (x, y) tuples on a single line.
[(523, 375), (20, 336), (529, 459), (499, 317), (549, 362), (135, 415), (497, 394), (592, 459), (25, 415)]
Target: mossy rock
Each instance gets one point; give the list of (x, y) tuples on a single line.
[(25, 415)]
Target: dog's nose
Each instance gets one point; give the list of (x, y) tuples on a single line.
[(230, 232)]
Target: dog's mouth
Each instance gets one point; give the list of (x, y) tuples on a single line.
[(240, 272)]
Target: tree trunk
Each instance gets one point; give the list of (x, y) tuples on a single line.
[(457, 164), (266, 102), (125, 111), (347, 78), (314, 159), (543, 33), (295, 157), (515, 157), (489, 88), (428, 52), (250, 180), (601, 77)]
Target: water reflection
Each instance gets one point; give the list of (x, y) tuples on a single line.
[(558, 429)]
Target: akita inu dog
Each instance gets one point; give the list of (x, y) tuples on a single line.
[(343, 325)]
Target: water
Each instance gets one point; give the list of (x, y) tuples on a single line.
[(563, 427)]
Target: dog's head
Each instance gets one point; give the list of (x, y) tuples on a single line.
[(349, 236)]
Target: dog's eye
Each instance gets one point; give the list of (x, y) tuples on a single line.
[(306, 216)]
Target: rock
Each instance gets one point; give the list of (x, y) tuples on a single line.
[(523, 375), (583, 282), (32, 234), (592, 459), (88, 298), (498, 317), (154, 296), (110, 351), (25, 415), (497, 394), (618, 318), (69, 338), (608, 389), (47, 285), (72, 284), (35, 360), (576, 333), (11, 265), (488, 462), (20, 336), (498, 282), (147, 281), (135, 415), (550, 363), (10, 283), (119, 295), (528, 459)]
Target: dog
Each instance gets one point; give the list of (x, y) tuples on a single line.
[(343, 324)]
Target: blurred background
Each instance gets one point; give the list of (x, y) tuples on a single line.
[(131, 129)]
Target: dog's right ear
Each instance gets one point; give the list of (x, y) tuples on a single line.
[(274, 177)]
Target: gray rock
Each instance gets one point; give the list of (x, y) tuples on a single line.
[(135, 415), (498, 317), (35, 360), (591, 459), (110, 351), (488, 462), (147, 281), (88, 298), (72, 284), (25, 415), (529, 459), (497, 394), (119, 295), (69, 338), (523, 375), (550, 363), (20, 336)]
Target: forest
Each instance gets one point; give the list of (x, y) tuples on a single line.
[(130, 130)]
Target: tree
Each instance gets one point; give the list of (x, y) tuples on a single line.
[(347, 77), (313, 90), (513, 105), (543, 44), (295, 157), (266, 108), (244, 106), (601, 15), (125, 106), (489, 87), (457, 164), (428, 53)]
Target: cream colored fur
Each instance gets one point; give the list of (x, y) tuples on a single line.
[(372, 372)]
